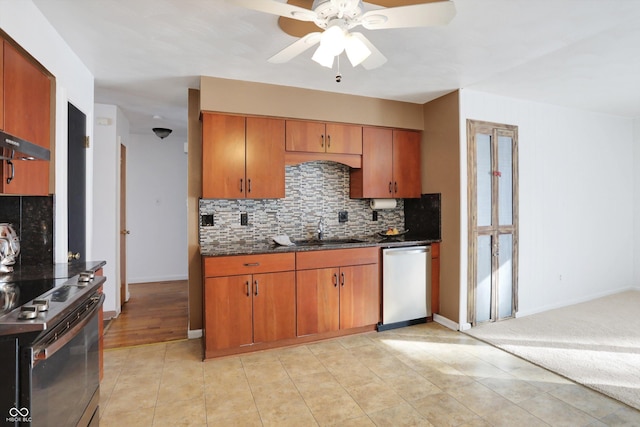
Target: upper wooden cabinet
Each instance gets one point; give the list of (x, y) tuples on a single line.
[(26, 113), (242, 157), (318, 137), (390, 165)]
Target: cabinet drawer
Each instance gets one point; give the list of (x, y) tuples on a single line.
[(336, 258), (248, 264)]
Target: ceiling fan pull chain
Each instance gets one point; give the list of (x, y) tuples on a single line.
[(338, 76)]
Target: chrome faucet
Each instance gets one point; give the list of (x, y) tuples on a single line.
[(321, 228)]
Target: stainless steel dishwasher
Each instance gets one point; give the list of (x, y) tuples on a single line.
[(406, 286)]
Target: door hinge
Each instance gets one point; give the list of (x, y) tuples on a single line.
[(86, 142)]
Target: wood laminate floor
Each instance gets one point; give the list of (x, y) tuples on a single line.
[(156, 312)]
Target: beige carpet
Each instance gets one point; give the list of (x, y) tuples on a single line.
[(596, 343)]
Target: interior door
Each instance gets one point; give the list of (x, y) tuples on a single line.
[(493, 221), (76, 184)]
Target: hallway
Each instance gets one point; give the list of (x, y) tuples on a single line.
[(156, 312)]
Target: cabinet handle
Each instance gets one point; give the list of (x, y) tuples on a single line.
[(248, 292), (241, 185), (328, 141), (335, 280), (322, 141), (249, 185), (251, 264), (342, 277), (396, 186), (256, 283), (12, 173), (390, 187)]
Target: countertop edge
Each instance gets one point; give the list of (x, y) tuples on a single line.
[(267, 248)]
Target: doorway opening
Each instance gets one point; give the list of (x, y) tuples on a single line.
[(493, 221), (76, 184)]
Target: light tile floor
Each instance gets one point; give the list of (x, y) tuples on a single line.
[(417, 376)]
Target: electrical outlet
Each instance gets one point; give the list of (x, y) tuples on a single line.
[(343, 216), (375, 216), (244, 218), (206, 220)]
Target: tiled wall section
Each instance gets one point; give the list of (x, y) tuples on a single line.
[(313, 189), (32, 218)]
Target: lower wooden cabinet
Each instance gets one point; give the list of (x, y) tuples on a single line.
[(248, 299), (261, 301), (330, 299), (243, 310), (337, 289)]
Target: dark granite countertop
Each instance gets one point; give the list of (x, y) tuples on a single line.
[(269, 247), (55, 271)]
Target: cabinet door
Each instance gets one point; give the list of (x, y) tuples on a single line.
[(359, 296), (375, 178), (2, 42), (305, 136), (228, 312), (406, 164), (343, 139), (223, 156), (318, 301), (27, 107), (265, 158), (274, 306)]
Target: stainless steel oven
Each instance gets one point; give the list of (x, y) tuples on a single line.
[(55, 380), (64, 369)]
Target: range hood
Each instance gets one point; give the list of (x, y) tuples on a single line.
[(21, 149)]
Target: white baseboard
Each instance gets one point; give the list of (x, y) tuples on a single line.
[(445, 322), (523, 313), (193, 334)]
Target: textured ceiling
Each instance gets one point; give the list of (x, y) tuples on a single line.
[(144, 54)]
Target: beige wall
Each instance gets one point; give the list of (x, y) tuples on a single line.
[(235, 96), (441, 174)]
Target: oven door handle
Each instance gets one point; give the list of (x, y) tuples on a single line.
[(46, 350)]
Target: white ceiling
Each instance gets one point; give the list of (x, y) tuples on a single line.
[(144, 54)]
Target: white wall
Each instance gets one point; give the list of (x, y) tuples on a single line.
[(636, 199), (111, 129), (24, 23), (156, 209), (576, 191)]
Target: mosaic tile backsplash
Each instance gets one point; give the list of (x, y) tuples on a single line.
[(313, 190)]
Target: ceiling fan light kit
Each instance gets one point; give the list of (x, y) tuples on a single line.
[(337, 17)]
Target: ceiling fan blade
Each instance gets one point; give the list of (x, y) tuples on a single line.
[(418, 15), (376, 59), (275, 8), (296, 48)]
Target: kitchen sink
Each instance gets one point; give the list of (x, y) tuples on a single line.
[(316, 242)]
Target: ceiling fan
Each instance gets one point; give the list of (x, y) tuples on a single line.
[(337, 17)]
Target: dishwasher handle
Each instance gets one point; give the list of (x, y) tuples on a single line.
[(407, 250)]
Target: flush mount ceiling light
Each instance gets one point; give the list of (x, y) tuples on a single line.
[(337, 17), (162, 133)]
